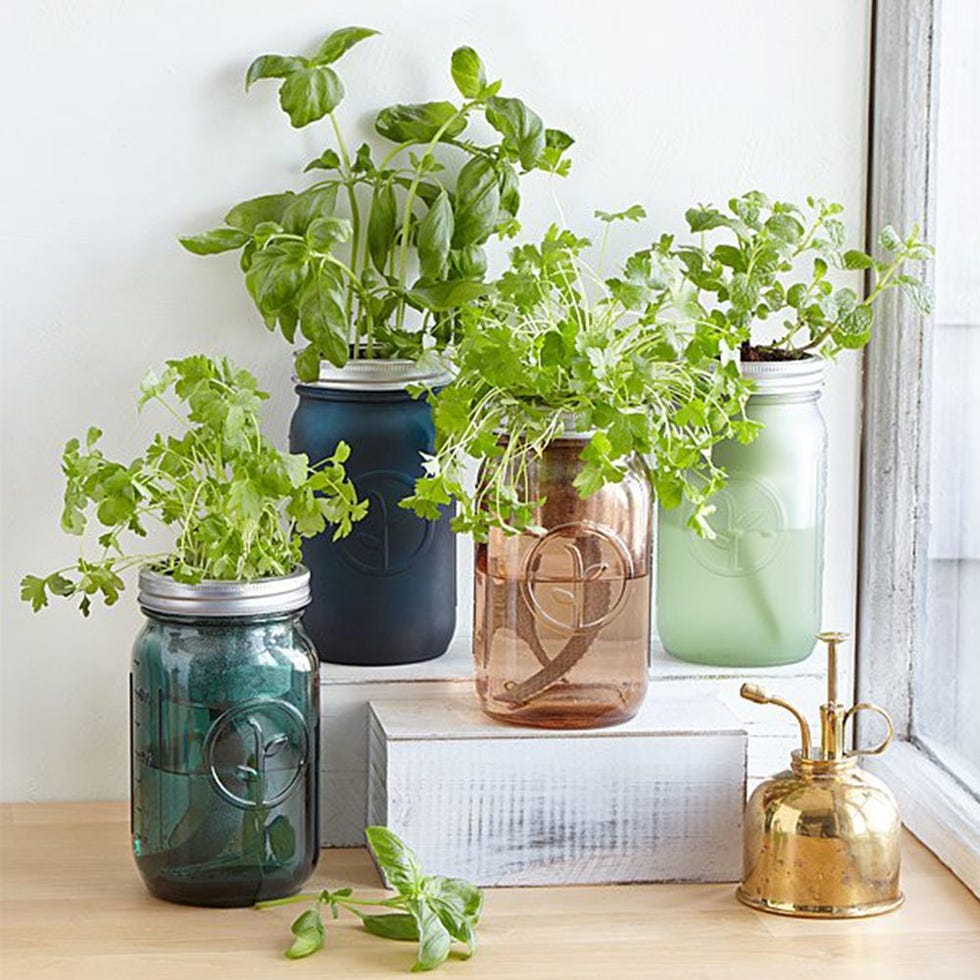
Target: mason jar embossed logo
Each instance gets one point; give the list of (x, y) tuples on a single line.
[(748, 523), (575, 577), (256, 753), (389, 538)]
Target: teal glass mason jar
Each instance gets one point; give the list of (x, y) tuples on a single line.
[(751, 597), (224, 735)]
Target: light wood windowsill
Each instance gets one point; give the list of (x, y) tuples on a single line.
[(73, 908)]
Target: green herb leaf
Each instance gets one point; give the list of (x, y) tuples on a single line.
[(309, 933), (633, 213), (442, 296), (521, 127), (272, 66), (434, 236), (382, 225), (468, 73), (307, 207), (340, 42), (212, 242), (477, 203), (419, 123), (310, 94), (397, 925), (435, 942), (396, 859), (259, 210)]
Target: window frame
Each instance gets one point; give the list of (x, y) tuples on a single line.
[(894, 518)]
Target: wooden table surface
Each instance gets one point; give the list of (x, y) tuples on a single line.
[(72, 907)]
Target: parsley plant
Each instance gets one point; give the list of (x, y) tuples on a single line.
[(625, 358), (236, 504)]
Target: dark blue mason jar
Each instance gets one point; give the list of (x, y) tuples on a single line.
[(224, 740), (385, 594)]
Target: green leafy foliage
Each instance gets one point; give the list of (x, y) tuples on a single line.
[(236, 505), (379, 252), (435, 912), (554, 344), (776, 261)]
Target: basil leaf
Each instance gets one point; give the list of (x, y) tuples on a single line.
[(400, 926), (418, 123), (307, 364), (308, 930), (468, 72), (435, 941), (340, 42), (327, 160), (325, 232), (382, 224), (212, 242), (269, 207), (442, 296), (434, 235), (477, 202), (310, 94), (274, 278), (322, 318), (520, 126), (510, 190), (307, 207), (272, 66), (395, 858)]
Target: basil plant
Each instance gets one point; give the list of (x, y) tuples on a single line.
[(378, 254)]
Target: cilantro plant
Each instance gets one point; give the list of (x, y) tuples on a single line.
[(237, 506), (433, 911), (555, 344), (344, 261), (776, 263)]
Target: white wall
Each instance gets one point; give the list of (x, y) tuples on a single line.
[(126, 125)]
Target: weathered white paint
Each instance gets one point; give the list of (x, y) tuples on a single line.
[(346, 691), (895, 656), (131, 127), (658, 798)]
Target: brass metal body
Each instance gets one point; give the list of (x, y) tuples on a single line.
[(822, 838)]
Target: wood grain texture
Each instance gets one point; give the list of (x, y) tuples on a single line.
[(658, 798), (893, 511), (72, 908)]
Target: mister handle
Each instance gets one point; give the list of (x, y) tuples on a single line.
[(890, 734)]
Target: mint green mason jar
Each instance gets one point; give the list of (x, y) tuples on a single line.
[(751, 597)]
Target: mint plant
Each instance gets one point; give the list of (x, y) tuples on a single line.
[(388, 232), (776, 261), (236, 505), (625, 358), (434, 911)]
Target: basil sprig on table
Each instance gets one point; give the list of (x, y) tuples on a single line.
[(344, 261), (777, 261), (237, 505), (434, 911), (627, 359)]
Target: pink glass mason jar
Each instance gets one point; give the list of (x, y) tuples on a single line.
[(561, 631)]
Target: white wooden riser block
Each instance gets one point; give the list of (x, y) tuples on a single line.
[(659, 798), (346, 691)]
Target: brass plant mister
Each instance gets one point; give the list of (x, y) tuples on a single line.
[(822, 839)]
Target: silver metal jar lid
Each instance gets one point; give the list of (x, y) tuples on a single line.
[(264, 596), (802, 377), (377, 374)]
